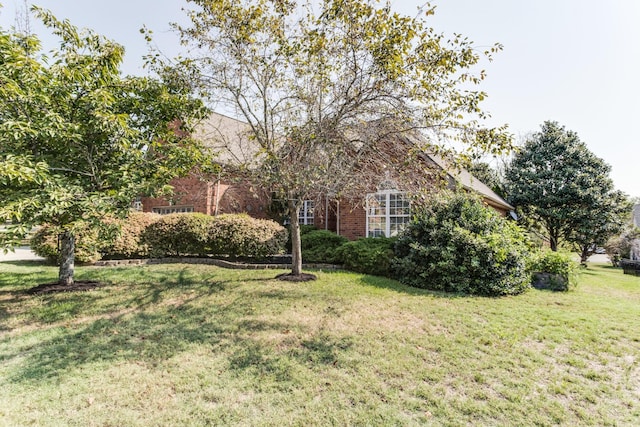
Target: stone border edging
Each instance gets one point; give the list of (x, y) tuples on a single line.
[(209, 261)]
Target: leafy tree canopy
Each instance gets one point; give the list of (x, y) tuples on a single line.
[(558, 184), (323, 84), (77, 139)]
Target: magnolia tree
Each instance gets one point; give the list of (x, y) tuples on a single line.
[(77, 139), (321, 84), (563, 188)]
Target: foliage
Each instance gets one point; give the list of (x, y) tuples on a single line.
[(371, 255), (45, 243), (558, 184), (456, 244), (239, 235), (78, 140), (620, 246), (559, 267), (304, 229), (178, 235), (321, 246), (306, 76), (128, 242)]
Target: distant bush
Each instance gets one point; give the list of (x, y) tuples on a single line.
[(556, 271), (320, 246), (239, 235), (44, 243), (620, 246), (457, 244), (178, 235), (372, 255), (127, 241)]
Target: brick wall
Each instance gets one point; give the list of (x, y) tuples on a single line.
[(213, 198), (353, 221)]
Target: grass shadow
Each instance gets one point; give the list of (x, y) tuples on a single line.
[(394, 285)]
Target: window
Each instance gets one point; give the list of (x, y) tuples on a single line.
[(387, 213), (166, 210), (306, 213)]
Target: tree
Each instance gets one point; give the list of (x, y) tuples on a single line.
[(557, 183), (78, 140), (320, 84)]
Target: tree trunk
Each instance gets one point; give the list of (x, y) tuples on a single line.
[(553, 239), (296, 249), (67, 258), (584, 254)]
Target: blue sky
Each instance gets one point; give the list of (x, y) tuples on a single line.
[(573, 61)]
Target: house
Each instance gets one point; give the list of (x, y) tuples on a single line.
[(380, 210)]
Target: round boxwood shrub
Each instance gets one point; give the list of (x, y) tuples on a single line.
[(239, 235), (44, 243), (371, 255), (128, 242), (178, 234), (457, 244), (321, 246)]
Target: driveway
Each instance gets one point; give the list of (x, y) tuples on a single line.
[(21, 253)]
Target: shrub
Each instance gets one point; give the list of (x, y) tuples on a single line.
[(556, 271), (128, 242), (620, 246), (239, 235), (304, 229), (320, 245), (178, 235), (456, 244), (371, 255), (44, 243)]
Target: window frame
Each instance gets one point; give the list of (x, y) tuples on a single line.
[(168, 210), (384, 213), (306, 216)]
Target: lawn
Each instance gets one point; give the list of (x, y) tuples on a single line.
[(199, 345)]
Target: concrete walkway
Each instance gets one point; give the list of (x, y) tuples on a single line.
[(21, 253)]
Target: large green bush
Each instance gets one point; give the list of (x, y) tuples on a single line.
[(371, 255), (457, 244), (321, 246), (128, 242), (239, 235), (178, 235), (44, 243), (556, 271)]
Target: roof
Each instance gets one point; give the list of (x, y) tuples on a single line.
[(470, 182), (229, 138)]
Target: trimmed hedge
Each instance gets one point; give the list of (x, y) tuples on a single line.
[(128, 242), (239, 235), (457, 244), (178, 235), (556, 271), (371, 255), (321, 246), (44, 243)]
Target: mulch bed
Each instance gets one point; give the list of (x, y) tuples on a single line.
[(52, 288), (303, 277)]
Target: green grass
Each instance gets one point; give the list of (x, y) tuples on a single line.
[(200, 345)]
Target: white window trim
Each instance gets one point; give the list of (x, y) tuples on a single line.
[(306, 216), (387, 216)]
